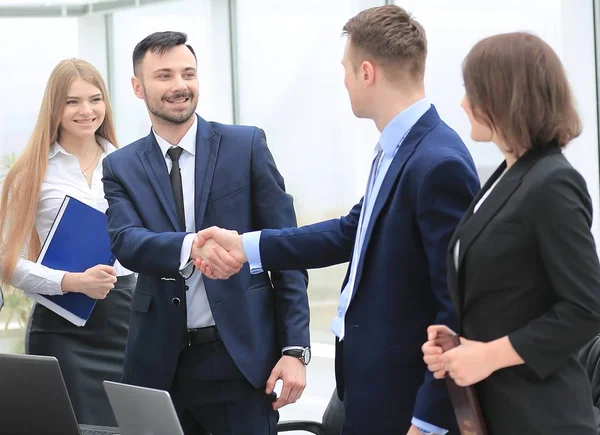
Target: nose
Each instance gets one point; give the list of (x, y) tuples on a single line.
[(85, 109), (179, 85)]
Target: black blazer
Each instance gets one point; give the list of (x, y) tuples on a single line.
[(528, 268)]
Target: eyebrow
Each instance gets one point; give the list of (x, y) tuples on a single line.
[(78, 98), (189, 68)]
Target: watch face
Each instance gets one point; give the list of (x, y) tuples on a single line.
[(306, 355)]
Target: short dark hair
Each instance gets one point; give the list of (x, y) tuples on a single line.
[(391, 36), (516, 84), (158, 42)]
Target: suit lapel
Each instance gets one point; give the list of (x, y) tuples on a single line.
[(429, 120), (156, 169), (452, 281), (207, 150), (474, 223), (467, 215), (488, 209), (452, 273)]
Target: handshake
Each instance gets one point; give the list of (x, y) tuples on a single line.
[(218, 253)]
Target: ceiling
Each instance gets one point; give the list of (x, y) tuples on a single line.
[(65, 8)]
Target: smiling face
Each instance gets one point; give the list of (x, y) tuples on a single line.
[(168, 83), (84, 110)]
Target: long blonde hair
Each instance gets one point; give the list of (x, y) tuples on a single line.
[(23, 182)]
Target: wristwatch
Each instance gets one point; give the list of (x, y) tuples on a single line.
[(302, 354)]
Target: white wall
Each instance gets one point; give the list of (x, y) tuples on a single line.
[(31, 48), (577, 53), (93, 43), (291, 85), (204, 25)]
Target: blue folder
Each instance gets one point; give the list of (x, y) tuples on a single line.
[(78, 240)]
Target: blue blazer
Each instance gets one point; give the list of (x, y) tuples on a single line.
[(237, 187), (400, 286)]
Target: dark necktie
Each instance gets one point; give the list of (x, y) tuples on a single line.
[(176, 183)]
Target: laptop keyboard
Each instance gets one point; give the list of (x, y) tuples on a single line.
[(98, 431)]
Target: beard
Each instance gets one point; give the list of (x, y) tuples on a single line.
[(160, 107)]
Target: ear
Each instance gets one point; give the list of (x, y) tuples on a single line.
[(138, 89), (367, 72)]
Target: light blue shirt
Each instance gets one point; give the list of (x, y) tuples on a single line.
[(389, 143)]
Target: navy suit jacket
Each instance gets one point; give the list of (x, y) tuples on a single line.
[(237, 187), (400, 287)]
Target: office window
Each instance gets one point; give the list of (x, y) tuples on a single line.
[(25, 65)]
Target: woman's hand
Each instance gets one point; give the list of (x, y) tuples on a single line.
[(96, 282), (468, 363), (432, 353)]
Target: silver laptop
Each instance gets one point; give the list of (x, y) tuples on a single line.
[(142, 411), (34, 399)]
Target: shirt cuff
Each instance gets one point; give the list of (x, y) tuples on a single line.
[(186, 251), (186, 265), (54, 282), (251, 243), (426, 427)]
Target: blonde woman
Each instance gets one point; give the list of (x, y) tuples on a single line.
[(73, 133)]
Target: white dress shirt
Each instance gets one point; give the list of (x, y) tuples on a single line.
[(63, 177), (198, 309)]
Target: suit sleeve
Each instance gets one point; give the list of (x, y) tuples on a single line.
[(447, 189), (562, 213), (273, 208), (311, 246), (137, 248)]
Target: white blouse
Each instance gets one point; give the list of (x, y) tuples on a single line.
[(63, 177)]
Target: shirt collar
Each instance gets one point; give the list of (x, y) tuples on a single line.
[(394, 133), (56, 148), (187, 142)]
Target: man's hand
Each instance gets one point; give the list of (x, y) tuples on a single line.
[(225, 254), (224, 263), (468, 363), (293, 374), (413, 430)]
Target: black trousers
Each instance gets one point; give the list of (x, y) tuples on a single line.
[(89, 354), (213, 397), (333, 417)]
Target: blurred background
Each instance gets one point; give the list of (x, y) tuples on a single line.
[(276, 64)]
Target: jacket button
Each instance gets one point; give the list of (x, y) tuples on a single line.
[(176, 301), (187, 287)]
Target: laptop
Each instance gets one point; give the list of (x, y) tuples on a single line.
[(142, 411), (34, 399)]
